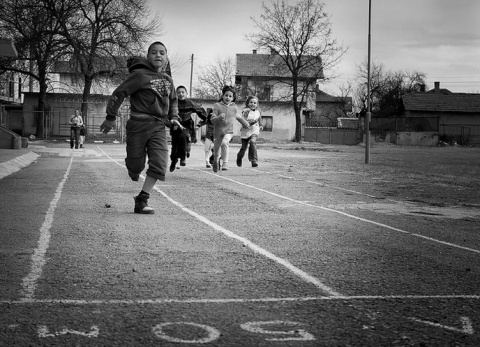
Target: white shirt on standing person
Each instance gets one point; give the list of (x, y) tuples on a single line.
[(76, 120)]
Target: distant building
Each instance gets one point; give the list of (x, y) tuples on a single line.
[(67, 78), (267, 77), (456, 115), (10, 97)]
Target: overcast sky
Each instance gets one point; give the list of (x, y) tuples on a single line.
[(438, 37)]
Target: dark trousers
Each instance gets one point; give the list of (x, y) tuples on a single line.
[(147, 139), (74, 134), (180, 145), (251, 143)]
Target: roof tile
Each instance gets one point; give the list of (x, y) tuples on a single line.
[(440, 102)]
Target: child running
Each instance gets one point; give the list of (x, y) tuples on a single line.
[(153, 104), (249, 135), (224, 113), (184, 134), (208, 139)]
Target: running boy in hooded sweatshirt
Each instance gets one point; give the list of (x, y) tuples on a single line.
[(224, 114), (184, 135), (153, 106)]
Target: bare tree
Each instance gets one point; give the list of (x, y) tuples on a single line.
[(212, 78), (377, 76), (301, 35), (101, 34), (35, 33), (387, 89)]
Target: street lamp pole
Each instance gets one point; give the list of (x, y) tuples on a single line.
[(191, 76), (368, 115)]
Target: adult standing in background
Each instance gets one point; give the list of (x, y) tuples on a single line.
[(76, 123)]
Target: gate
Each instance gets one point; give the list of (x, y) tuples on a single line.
[(59, 116)]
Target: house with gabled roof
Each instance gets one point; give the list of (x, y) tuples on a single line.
[(457, 114), (267, 76)]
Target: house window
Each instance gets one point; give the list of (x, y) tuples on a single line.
[(74, 79), (267, 123), (267, 93)]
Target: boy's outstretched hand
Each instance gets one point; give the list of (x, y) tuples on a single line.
[(107, 125)]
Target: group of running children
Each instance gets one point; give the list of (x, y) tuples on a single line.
[(155, 104), (219, 122)]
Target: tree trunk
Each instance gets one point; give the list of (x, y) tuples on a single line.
[(86, 93), (297, 108), (298, 125), (42, 95)]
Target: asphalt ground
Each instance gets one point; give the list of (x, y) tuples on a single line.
[(279, 255)]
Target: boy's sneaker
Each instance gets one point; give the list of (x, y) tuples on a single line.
[(183, 162), (173, 164), (133, 176), (239, 162), (208, 165), (215, 165), (254, 164), (224, 167), (141, 205)]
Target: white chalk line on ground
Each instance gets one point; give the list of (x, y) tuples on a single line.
[(327, 185), (29, 283), (39, 259), (240, 301), (254, 247), (344, 213)]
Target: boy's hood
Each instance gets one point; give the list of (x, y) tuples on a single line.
[(139, 63)]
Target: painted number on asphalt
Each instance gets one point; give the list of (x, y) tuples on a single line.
[(44, 332), (254, 327), (289, 335), (159, 331)]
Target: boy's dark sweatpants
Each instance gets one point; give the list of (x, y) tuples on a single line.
[(147, 138)]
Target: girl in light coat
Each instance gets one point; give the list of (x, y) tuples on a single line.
[(224, 114)]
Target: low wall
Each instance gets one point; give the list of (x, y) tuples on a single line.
[(11, 140), (405, 138), (332, 136), (417, 138)]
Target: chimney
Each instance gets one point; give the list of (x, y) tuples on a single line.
[(437, 86), (422, 88), (254, 51)]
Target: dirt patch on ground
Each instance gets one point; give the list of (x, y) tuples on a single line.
[(430, 181)]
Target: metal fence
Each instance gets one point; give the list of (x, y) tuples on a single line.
[(404, 124), (55, 123), (460, 133)]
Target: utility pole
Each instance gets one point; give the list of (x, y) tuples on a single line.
[(368, 115), (191, 75)]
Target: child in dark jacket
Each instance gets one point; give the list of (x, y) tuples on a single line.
[(184, 134), (153, 105)]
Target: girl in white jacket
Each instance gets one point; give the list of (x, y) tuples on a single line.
[(249, 135)]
